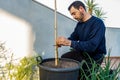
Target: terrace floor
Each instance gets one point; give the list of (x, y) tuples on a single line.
[(114, 62)]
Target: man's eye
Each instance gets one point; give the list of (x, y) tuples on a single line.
[(73, 14)]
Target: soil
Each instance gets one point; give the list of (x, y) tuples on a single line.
[(61, 64)]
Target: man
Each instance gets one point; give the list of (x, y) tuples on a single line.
[(88, 38)]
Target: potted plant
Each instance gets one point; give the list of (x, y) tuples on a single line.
[(67, 69), (58, 68)]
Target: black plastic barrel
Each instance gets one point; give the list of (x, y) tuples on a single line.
[(49, 73)]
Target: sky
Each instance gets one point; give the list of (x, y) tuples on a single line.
[(110, 7)]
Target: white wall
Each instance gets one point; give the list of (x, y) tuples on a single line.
[(16, 34), (41, 18)]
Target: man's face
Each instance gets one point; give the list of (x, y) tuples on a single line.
[(76, 13)]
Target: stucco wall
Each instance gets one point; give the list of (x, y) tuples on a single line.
[(41, 19), (113, 41)]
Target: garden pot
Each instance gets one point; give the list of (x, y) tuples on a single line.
[(67, 69)]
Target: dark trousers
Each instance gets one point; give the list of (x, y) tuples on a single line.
[(80, 57)]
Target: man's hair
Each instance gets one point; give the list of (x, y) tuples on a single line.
[(77, 4)]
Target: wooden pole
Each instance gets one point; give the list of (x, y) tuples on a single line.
[(55, 32)]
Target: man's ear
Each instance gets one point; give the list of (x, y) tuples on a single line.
[(81, 8)]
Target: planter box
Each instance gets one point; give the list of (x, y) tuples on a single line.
[(67, 69)]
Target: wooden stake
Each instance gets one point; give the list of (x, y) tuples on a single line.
[(55, 32)]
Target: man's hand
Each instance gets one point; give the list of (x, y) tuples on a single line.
[(62, 41)]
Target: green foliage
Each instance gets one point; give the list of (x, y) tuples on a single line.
[(23, 69), (99, 13), (91, 5), (93, 9), (98, 72)]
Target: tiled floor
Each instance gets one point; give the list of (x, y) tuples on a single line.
[(114, 62)]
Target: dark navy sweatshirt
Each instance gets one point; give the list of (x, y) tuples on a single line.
[(89, 36)]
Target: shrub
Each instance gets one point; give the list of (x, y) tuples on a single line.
[(98, 72), (25, 69)]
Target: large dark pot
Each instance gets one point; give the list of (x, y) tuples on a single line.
[(67, 69)]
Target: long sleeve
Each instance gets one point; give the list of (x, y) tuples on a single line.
[(91, 37)]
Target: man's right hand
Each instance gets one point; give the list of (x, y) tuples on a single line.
[(62, 41)]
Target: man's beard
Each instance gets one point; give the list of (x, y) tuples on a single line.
[(81, 17)]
